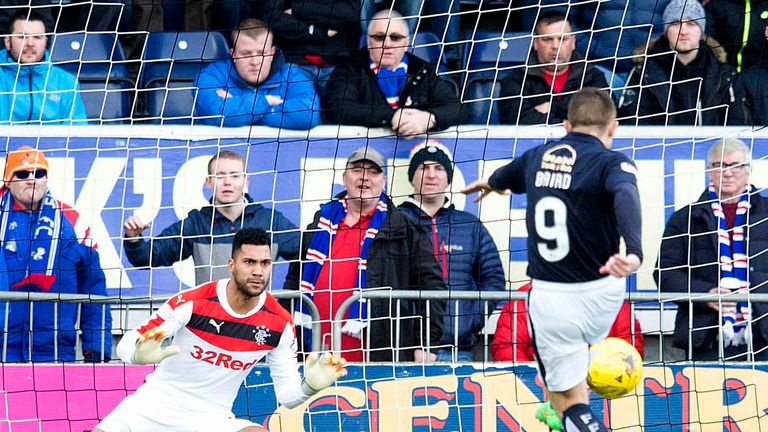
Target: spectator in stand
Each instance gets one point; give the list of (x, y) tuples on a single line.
[(461, 244), (360, 241), (512, 342), (755, 82), (728, 26), (683, 81), (618, 27), (387, 87), (46, 250), (256, 87), (540, 92), (32, 89), (316, 35), (717, 245), (206, 234), (443, 17)]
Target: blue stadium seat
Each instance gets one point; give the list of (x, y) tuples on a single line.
[(98, 62), (427, 46), (487, 89), (171, 64), (489, 52)]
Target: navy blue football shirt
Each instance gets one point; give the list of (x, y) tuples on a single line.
[(571, 186)]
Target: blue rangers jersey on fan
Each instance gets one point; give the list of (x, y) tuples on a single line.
[(570, 183)]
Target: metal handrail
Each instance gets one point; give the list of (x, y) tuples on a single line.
[(100, 299)]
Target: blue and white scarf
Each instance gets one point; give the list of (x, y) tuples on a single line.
[(331, 214), (391, 82), (733, 268), (44, 246)]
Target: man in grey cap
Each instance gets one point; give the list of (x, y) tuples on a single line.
[(684, 79), (359, 241)]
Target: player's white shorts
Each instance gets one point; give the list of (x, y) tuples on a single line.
[(564, 319), (141, 414)]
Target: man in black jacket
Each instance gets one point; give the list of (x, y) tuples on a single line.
[(684, 79), (717, 245), (386, 87), (359, 241), (755, 82), (540, 92)]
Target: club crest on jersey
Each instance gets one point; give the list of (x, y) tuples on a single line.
[(261, 334)]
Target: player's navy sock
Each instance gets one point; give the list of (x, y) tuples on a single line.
[(579, 418)]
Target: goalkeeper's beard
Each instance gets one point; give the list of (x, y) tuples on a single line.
[(247, 290)]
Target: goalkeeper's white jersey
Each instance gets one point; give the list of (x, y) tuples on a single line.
[(218, 348)]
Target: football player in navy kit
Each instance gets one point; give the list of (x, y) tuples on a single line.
[(582, 197)]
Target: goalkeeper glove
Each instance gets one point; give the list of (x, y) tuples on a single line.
[(149, 349), (321, 372)]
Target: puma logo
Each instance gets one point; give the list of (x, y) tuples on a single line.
[(215, 324)]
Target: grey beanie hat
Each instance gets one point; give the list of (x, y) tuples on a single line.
[(685, 10)]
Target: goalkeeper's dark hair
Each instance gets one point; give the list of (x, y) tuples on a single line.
[(250, 236), (591, 107)]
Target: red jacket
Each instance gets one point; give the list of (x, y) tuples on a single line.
[(504, 341)]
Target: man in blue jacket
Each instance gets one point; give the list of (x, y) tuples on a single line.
[(462, 245), (206, 234), (46, 250), (256, 87), (32, 89)]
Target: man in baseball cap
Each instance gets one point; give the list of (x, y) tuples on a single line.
[(465, 250), (361, 240), (43, 252)]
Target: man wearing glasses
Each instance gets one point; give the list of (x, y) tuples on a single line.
[(387, 87), (46, 250), (717, 245)]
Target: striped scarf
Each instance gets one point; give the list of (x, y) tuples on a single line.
[(44, 245), (331, 214), (733, 268), (391, 81)]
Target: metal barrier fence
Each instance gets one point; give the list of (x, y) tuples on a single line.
[(375, 294)]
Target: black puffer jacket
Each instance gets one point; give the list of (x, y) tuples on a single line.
[(703, 93), (355, 98), (400, 257), (692, 230), (524, 88)]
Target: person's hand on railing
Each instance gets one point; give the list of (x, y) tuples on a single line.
[(354, 327), (421, 356)]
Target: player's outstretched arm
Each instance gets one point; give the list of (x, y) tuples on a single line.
[(322, 371), (621, 266), (481, 186), (149, 349)]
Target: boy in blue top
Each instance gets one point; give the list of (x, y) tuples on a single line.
[(256, 87)]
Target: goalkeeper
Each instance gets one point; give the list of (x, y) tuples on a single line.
[(220, 330)]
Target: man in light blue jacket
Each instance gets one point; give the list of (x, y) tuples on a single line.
[(256, 87), (32, 89)]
